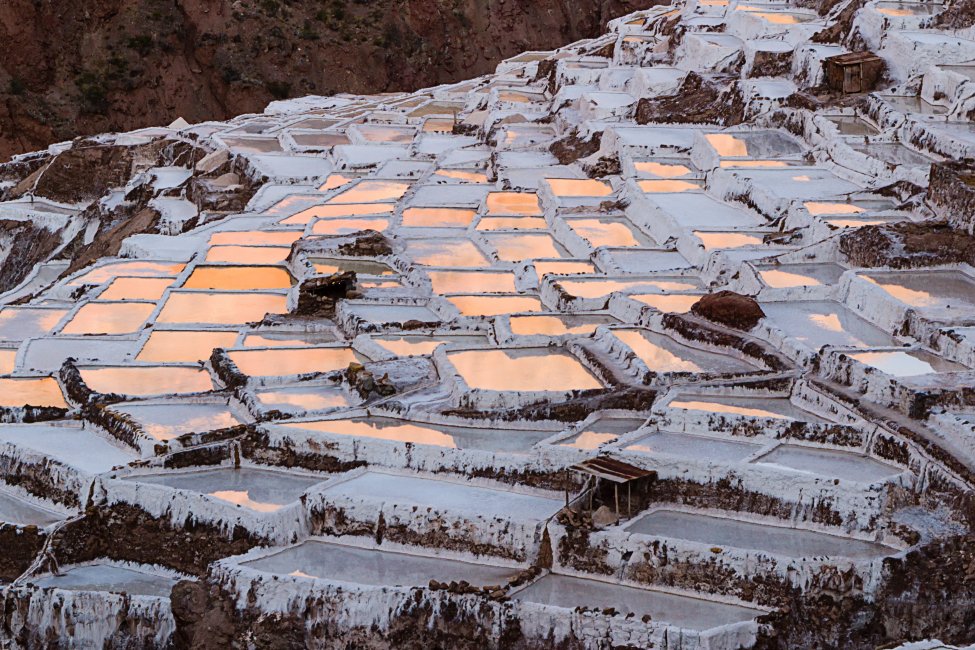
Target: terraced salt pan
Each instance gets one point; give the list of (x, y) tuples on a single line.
[(522, 370), (695, 210), (784, 276), (301, 398), (948, 290), (144, 381), (15, 510), (558, 324), (677, 610), (825, 323), (319, 559), (126, 268), (168, 420), (291, 361), (495, 305), (220, 308), (599, 288), (18, 323), (907, 364), (562, 267), (693, 446), (181, 346), (109, 318), (106, 577), (380, 313), (256, 489), (609, 232), (32, 391), (451, 253), (768, 407), (444, 282), (70, 444), (663, 354), (603, 430), (444, 495), (238, 278), (135, 289), (422, 433), (517, 247), (437, 217), (746, 535), (829, 463)]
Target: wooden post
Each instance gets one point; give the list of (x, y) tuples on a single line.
[(616, 488)]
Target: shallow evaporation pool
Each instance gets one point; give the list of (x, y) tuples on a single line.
[(386, 134), (578, 187), (562, 267), (19, 323), (238, 278), (898, 363), (559, 324), (348, 226), (260, 490), (31, 391), (727, 145), (852, 125), (854, 222), (937, 289), (335, 181), (661, 353), (330, 561), (679, 611), (437, 217), (255, 237), (445, 282), (338, 211), (372, 191), (513, 203), (675, 303), (452, 437), (602, 431), (777, 17), (409, 346), (439, 125), (495, 305), (784, 276), (829, 463), (253, 145), (659, 186), (907, 9), (390, 313), (518, 247), (662, 169), (69, 443), (747, 535), (778, 408), (286, 339), (121, 288), (463, 175), (450, 253), (488, 224), (109, 318), (209, 308), (167, 420), (894, 153), (272, 362), (825, 323), (16, 510), (109, 578), (828, 208), (600, 288), (522, 370), (144, 381), (721, 240), (686, 445), (8, 361), (106, 272), (437, 494), (330, 266), (600, 231), (178, 346), (303, 397)]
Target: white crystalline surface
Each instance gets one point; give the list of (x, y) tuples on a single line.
[(523, 332)]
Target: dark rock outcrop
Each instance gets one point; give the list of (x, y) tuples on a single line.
[(730, 309)]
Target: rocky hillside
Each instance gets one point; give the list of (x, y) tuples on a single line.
[(89, 66)]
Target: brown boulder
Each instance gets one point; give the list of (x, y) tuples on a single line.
[(730, 309)]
